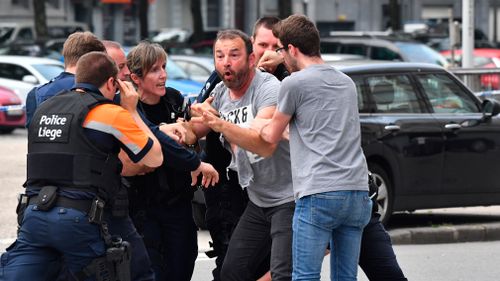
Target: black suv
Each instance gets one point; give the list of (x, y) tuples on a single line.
[(429, 141)]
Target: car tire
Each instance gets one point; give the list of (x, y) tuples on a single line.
[(199, 215), (385, 192), (6, 131)]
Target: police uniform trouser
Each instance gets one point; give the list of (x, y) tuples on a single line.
[(170, 236), (377, 258), (44, 237)]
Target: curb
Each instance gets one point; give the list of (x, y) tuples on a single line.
[(446, 234)]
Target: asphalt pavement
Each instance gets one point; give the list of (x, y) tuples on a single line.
[(451, 225)]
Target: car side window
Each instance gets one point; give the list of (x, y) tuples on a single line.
[(393, 94), (330, 47), (380, 53), (11, 71), (25, 34), (195, 69), (363, 106), (445, 95), (357, 49)]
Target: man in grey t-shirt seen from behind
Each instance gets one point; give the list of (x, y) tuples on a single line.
[(245, 94), (329, 169)]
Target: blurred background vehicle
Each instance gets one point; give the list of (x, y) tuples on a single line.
[(180, 80), (12, 112), (198, 68), (171, 35), (22, 73), (21, 32), (342, 57), (177, 78), (33, 50), (380, 46), (483, 58)]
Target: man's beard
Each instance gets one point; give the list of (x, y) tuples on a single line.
[(237, 78), (291, 66)]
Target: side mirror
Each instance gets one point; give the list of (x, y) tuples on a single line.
[(30, 79), (490, 108)]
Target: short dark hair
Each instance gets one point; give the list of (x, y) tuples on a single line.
[(95, 68), (300, 32), (267, 22), (233, 34), (79, 44)]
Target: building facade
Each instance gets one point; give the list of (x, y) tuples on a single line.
[(118, 19)]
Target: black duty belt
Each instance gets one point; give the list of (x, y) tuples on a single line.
[(78, 204)]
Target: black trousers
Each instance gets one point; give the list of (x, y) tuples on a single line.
[(225, 203), (261, 232), (170, 236), (377, 258)]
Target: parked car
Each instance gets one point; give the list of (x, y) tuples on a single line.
[(21, 73), (428, 140), (381, 47), (180, 80), (482, 58), (198, 68), (24, 32), (12, 112)]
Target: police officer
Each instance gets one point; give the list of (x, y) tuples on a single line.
[(75, 46), (73, 170), (160, 200)]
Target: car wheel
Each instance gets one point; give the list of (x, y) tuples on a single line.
[(199, 215), (385, 194)]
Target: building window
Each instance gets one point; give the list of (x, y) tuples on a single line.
[(213, 13), (21, 3), (53, 3)]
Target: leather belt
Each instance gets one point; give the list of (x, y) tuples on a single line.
[(82, 205)]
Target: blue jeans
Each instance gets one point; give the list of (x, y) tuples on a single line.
[(46, 236), (336, 217)]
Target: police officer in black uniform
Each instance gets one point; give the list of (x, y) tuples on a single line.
[(160, 200), (73, 171)]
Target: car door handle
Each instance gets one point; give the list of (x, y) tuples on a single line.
[(452, 126), (392, 128)]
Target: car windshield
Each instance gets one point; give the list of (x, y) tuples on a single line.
[(175, 72), (5, 34), (49, 71), (420, 53)]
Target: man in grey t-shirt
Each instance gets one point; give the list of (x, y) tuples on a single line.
[(328, 166), (244, 95)]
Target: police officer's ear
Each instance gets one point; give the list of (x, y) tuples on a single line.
[(110, 88), (134, 78)]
